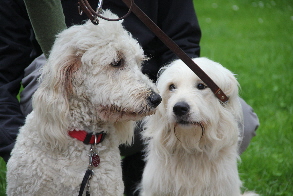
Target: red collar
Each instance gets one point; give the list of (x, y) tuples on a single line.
[(87, 138)]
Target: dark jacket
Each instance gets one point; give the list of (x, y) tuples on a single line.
[(17, 50)]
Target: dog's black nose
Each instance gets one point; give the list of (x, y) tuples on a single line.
[(154, 99), (181, 108)]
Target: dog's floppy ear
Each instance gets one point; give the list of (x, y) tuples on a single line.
[(161, 70), (231, 88), (50, 102)]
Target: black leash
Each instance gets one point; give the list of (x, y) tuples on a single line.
[(85, 182)]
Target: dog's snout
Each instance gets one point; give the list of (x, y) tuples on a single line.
[(181, 108), (154, 99)]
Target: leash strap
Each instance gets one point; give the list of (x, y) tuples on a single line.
[(93, 16), (87, 176), (177, 50)]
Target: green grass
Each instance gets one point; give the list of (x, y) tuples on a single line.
[(2, 177), (254, 39)]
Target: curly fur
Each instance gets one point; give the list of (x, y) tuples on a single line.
[(92, 81), (193, 154)]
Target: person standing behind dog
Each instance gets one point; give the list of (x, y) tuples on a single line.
[(177, 18)]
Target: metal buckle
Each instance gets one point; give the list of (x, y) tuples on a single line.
[(85, 7)]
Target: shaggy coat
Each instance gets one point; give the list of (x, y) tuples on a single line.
[(92, 81), (192, 138)]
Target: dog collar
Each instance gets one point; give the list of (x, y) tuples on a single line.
[(87, 138)]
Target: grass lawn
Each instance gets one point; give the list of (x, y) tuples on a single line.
[(254, 39)]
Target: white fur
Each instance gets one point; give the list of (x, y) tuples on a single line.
[(81, 90), (181, 160)]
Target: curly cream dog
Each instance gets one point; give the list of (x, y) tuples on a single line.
[(192, 138), (92, 82)]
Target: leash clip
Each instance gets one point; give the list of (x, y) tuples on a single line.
[(84, 6), (99, 9)]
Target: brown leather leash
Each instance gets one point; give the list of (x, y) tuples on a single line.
[(165, 39)]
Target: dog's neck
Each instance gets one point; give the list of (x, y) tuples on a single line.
[(83, 116), (196, 142)]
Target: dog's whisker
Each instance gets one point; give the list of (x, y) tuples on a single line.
[(175, 133), (202, 129)]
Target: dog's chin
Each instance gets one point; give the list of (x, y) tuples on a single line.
[(184, 123), (117, 114)]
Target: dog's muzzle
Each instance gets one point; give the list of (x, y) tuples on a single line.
[(154, 99)]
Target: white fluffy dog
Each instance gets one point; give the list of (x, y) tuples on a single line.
[(192, 138), (92, 82)]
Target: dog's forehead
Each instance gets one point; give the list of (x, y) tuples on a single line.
[(211, 68), (179, 71), (180, 74)]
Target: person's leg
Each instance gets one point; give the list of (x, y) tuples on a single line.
[(132, 168), (133, 162), (30, 83), (251, 123)]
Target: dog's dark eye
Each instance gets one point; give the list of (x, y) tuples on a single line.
[(118, 63), (201, 86), (172, 87)]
